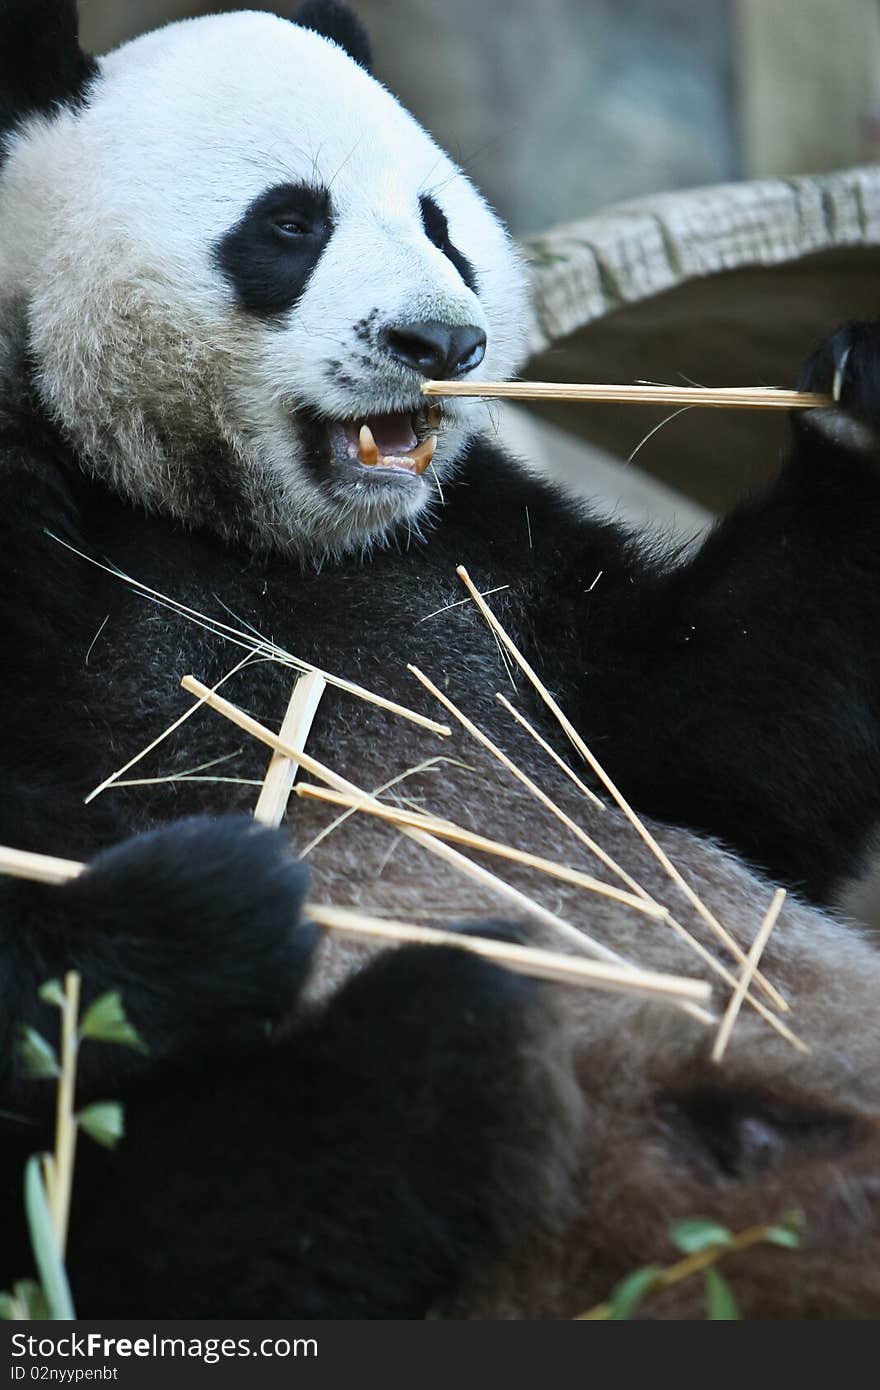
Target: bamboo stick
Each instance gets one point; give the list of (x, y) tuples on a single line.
[(620, 978), (499, 886), (296, 726), (635, 821), (526, 960), (447, 830), (662, 913), (551, 752), (726, 397), (39, 868), (731, 1013), (65, 1122)]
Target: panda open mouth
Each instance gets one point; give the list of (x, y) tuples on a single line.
[(394, 443)]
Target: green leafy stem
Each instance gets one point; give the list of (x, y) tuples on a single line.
[(48, 1184), (703, 1243)]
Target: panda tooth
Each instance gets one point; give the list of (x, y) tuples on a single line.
[(368, 449), (424, 453)]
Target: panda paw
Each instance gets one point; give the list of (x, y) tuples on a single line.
[(845, 366), (400, 1142), (198, 926)]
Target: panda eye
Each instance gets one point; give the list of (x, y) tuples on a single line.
[(294, 225)]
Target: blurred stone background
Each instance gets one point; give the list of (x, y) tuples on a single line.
[(562, 107)]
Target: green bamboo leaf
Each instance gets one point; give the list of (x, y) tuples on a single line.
[(50, 1267), (103, 1121), (32, 1299), (38, 1056), (697, 1233), (720, 1302), (788, 1231), (105, 1021), (25, 1302), (52, 992), (629, 1293)]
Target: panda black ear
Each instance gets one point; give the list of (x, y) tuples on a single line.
[(41, 62), (336, 21)]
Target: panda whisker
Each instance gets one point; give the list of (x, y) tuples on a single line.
[(506, 663), (437, 483), (328, 184), (635, 821), (95, 638)]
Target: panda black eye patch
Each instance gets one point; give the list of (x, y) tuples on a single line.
[(269, 254), (437, 231)]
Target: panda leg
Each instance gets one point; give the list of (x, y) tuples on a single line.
[(363, 1167)]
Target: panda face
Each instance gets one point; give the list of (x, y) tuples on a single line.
[(234, 256)]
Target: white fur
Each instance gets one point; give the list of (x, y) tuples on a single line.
[(108, 221)]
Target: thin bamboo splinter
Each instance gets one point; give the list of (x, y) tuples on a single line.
[(687, 937), (527, 960), (396, 815), (592, 761), (448, 830), (255, 645), (579, 939), (237, 716), (731, 1013), (551, 752), (722, 397)]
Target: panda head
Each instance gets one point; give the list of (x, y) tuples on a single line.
[(227, 249)]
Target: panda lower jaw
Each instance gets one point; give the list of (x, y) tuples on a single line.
[(388, 447)]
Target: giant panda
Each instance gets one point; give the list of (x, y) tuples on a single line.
[(224, 249)]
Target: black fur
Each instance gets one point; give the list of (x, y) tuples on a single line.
[(41, 63), (272, 250), (365, 1158), (374, 1218), (437, 231), (336, 21), (703, 686)]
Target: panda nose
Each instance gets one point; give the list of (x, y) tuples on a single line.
[(440, 350)]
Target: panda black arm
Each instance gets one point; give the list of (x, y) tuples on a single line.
[(738, 692), (196, 924)]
